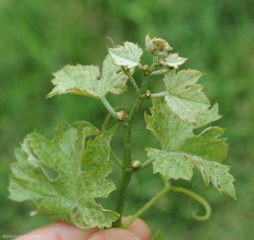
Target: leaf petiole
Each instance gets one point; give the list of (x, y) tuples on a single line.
[(108, 106), (159, 72), (157, 95), (145, 164), (132, 80), (119, 162)]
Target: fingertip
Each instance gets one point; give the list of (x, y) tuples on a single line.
[(140, 228)]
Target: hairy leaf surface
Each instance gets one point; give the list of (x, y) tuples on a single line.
[(174, 61), (127, 55), (63, 178), (182, 150), (184, 97), (84, 80)]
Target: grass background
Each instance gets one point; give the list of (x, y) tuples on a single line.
[(40, 37)]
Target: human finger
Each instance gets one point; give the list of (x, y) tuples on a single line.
[(140, 228), (114, 234), (59, 231)]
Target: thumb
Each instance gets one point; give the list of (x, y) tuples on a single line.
[(114, 234)]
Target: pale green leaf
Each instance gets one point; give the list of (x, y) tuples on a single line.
[(158, 236), (184, 97), (176, 135), (207, 144), (177, 165), (63, 177), (127, 55), (209, 116), (84, 80), (171, 164), (174, 61), (182, 150)]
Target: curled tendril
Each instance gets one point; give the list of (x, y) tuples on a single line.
[(199, 199)]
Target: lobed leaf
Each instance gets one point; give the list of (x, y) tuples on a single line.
[(62, 171), (182, 150), (176, 135), (180, 165), (84, 80), (184, 97), (127, 55)]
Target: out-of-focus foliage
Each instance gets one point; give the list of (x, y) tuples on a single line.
[(40, 37)]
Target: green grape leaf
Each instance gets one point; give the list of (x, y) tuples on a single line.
[(182, 150), (158, 236), (209, 116), (63, 177), (174, 61), (176, 135), (184, 97), (83, 80), (127, 55)]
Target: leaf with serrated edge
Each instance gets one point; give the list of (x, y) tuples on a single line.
[(210, 116), (83, 80), (171, 164), (67, 174), (180, 165), (174, 61), (182, 149), (127, 55), (183, 96), (176, 135)]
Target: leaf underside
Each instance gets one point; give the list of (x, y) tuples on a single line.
[(63, 178), (88, 81), (182, 150), (174, 61), (127, 55)]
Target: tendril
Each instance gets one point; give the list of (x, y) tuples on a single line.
[(199, 199)]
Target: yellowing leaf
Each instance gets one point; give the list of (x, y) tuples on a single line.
[(184, 97), (63, 178), (127, 55), (182, 150), (84, 80)]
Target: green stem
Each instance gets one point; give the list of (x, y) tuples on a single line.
[(149, 204), (126, 177), (167, 188)]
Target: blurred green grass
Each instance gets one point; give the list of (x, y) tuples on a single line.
[(40, 37)]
